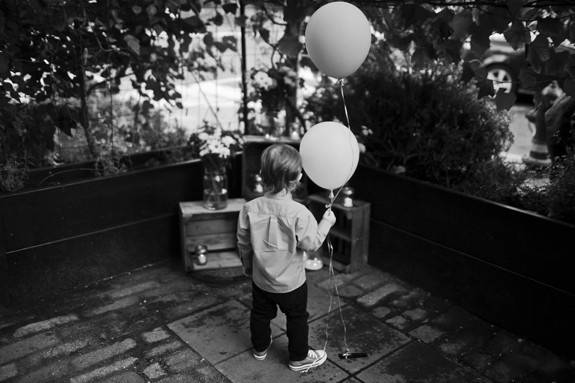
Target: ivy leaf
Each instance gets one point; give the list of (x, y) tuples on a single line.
[(514, 7), (419, 57), (151, 10), (571, 31), (552, 27), (265, 34), (485, 88), (441, 23), (414, 14), (4, 63), (527, 78), (208, 39), (133, 44), (479, 41), (467, 73), (571, 65), (194, 24), (494, 19), (569, 87), (66, 120), (504, 101), (231, 42), (557, 63), (541, 46), (452, 49), (461, 24), (230, 8), (517, 35), (289, 46), (478, 69), (534, 60), (220, 46), (218, 19)]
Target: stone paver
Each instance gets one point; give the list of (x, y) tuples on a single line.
[(219, 332), (132, 290), (104, 353), (50, 372), (244, 368), (381, 312), (183, 360), (26, 346), (59, 350), (161, 325), (164, 349), (363, 334), (416, 314), (377, 295), (154, 371), (8, 371), (43, 325), (127, 377), (155, 335), (418, 363), (117, 305), (103, 371), (371, 280), (426, 333)]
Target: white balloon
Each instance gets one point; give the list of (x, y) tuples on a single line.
[(329, 153), (338, 38)]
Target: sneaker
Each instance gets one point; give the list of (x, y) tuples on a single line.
[(314, 358), (261, 355)]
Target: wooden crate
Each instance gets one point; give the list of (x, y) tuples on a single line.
[(215, 229), (252, 152), (350, 234)]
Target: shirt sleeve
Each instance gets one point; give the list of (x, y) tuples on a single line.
[(245, 250), (309, 233)]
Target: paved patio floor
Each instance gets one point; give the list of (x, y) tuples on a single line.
[(159, 324)]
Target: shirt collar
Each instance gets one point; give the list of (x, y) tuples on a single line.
[(281, 195)]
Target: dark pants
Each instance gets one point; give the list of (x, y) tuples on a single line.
[(294, 306)]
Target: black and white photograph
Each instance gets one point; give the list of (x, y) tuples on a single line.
[(279, 191)]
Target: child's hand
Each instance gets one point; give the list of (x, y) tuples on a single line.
[(329, 217)]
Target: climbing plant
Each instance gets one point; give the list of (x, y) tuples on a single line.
[(55, 50)]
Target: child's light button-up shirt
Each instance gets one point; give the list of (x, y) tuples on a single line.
[(273, 231)]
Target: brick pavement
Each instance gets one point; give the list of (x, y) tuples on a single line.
[(158, 324)]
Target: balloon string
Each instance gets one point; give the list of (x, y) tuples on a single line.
[(344, 104), (331, 294), (348, 126)]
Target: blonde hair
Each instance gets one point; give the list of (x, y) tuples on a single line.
[(280, 167)]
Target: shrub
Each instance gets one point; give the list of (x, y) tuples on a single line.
[(427, 122), (27, 139), (562, 189), (131, 127), (496, 181)]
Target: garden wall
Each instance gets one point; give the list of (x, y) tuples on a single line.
[(65, 236), (508, 266)]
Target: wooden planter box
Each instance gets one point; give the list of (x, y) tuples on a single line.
[(506, 265), (65, 236)]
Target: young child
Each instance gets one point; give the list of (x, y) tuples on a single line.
[(273, 231)]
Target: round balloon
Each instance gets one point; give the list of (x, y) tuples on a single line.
[(329, 153), (337, 38)]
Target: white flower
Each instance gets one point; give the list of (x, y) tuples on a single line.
[(366, 131), (228, 141), (203, 136), (361, 147), (289, 82), (262, 79)]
